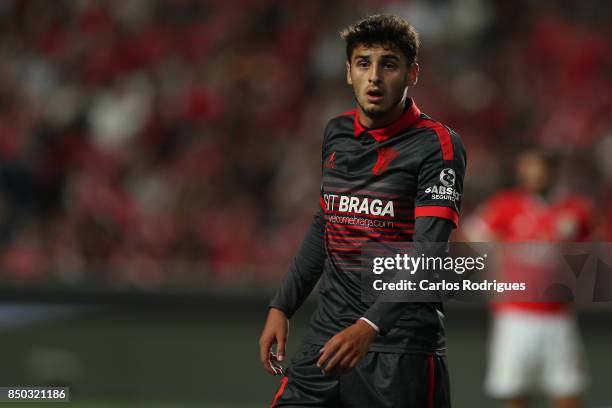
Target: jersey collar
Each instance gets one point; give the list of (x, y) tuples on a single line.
[(410, 115)]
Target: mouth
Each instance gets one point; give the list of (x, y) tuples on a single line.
[(374, 95)]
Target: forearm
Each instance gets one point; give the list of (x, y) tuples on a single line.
[(427, 229), (305, 269)]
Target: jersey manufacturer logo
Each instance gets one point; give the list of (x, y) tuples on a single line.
[(447, 177), (330, 163), (385, 156)]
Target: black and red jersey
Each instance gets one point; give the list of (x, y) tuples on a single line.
[(376, 183)]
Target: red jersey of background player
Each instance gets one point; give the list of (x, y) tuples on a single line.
[(527, 214)]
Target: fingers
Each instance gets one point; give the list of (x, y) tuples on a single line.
[(346, 348), (327, 351), (276, 367), (339, 351), (280, 348), (275, 332), (333, 352), (336, 358), (264, 355), (347, 362)]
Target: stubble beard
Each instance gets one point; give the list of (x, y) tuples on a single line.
[(379, 112), (374, 113)]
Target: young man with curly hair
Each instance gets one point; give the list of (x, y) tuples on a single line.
[(380, 164)]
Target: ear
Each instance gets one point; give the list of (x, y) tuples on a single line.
[(348, 73), (413, 74)]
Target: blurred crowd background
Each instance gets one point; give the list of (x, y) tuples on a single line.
[(176, 143)]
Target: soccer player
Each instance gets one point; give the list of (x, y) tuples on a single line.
[(384, 165), (535, 345)]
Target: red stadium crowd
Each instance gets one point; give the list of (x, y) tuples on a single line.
[(177, 142)]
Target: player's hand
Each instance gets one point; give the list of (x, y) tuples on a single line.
[(346, 348), (275, 331)]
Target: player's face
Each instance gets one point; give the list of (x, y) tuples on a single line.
[(533, 172), (379, 77)]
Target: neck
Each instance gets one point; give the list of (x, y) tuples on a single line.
[(385, 120)]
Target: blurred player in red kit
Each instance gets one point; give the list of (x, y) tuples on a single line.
[(535, 345)]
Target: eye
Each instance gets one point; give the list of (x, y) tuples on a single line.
[(363, 64), (389, 65)]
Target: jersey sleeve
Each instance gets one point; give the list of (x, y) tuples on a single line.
[(305, 270), (440, 176), (384, 315)]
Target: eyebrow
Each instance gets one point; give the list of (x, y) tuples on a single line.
[(383, 57), (390, 57)]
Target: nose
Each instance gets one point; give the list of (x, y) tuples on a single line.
[(374, 76)]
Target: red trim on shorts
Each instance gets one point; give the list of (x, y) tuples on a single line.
[(280, 391), (432, 382), (437, 211)]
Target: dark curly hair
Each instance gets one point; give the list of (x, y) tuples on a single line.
[(385, 30)]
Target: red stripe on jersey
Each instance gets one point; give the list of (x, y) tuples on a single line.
[(322, 202), (432, 382), (360, 192), (361, 228), (397, 226), (443, 136), (353, 244), (354, 214), (344, 248), (339, 249), (437, 211), (371, 250), (395, 238), (336, 237), (347, 244), (280, 391)]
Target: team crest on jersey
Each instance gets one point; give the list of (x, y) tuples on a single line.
[(385, 156)]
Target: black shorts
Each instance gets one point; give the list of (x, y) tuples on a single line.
[(378, 380)]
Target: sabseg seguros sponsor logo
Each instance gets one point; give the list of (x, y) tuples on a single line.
[(447, 190)]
